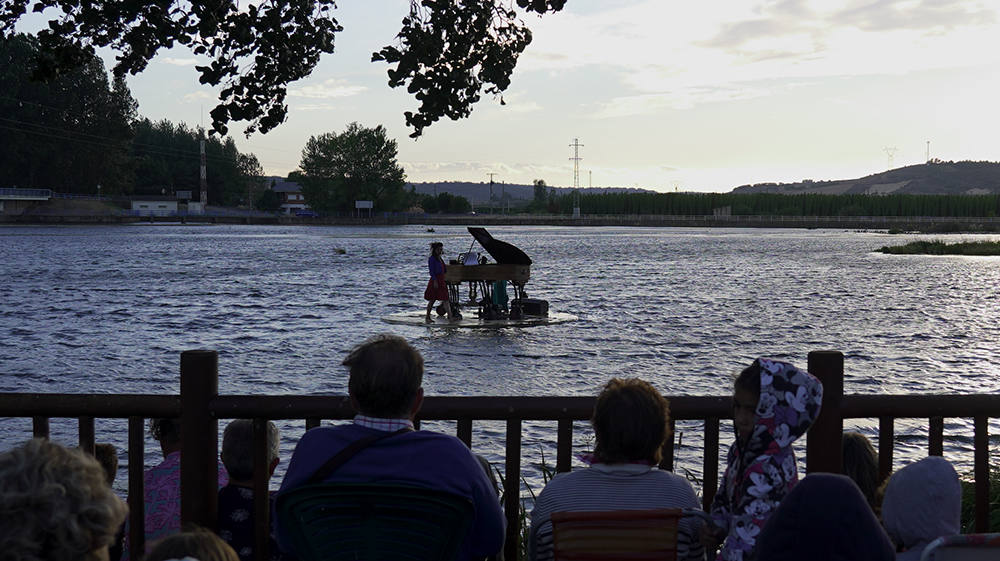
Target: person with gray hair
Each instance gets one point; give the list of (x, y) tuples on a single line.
[(236, 508), (381, 445), (55, 505)]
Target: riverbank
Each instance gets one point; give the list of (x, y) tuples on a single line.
[(893, 224)]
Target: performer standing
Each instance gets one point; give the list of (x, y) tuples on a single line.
[(437, 290)]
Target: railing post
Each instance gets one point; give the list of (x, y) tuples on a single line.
[(136, 491), (823, 444), (886, 440), (199, 439), (981, 462), (710, 467), (564, 445), (87, 434), (261, 494), (40, 427), (512, 488)]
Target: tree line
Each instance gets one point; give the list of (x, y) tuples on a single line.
[(80, 130), (771, 204)]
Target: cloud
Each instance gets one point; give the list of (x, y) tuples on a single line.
[(328, 89), (178, 61), (315, 107), (685, 98), (198, 95), (658, 58), (917, 15)]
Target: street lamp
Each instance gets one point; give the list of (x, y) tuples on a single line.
[(98, 191)]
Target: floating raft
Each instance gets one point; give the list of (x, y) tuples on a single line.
[(417, 319)]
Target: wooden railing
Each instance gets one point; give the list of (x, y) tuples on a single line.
[(200, 408)]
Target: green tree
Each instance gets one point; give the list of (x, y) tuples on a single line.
[(251, 177), (168, 158), (541, 196), (268, 201), (357, 164), (69, 134), (447, 52)]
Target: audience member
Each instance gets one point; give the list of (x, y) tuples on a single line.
[(923, 501), (107, 456), (386, 374), (774, 403), (824, 518), (236, 505), (860, 462), (162, 485), (631, 422), (192, 545), (55, 505)]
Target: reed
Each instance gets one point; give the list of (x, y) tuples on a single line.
[(939, 247)]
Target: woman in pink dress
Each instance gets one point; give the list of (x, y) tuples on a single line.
[(437, 290)]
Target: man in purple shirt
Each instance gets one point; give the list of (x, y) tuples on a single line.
[(386, 374)]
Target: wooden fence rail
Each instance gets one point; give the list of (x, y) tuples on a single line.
[(200, 409)]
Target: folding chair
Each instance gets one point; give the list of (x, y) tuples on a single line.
[(373, 522), (963, 547), (616, 535)]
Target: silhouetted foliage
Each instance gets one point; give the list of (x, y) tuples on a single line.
[(771, 204), (268, 201), (168, 158), (445, 203), (447, 52), (357, 164), (69, 134)]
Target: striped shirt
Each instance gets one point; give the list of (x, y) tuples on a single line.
[(377, 423), (614, 487)]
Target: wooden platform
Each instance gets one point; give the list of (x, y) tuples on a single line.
[(470, 321)]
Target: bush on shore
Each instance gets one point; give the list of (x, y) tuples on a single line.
[(938, 247)]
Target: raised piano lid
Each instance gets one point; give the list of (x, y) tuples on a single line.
[(503, 252)]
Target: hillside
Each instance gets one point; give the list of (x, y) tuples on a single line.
[(933, 178), (478, 193)]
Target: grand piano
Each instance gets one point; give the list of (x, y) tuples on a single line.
[(486, 282)]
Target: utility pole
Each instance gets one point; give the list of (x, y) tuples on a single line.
[(576, 176), (491, 174), (890, 151), (204, 176), (928, 152)]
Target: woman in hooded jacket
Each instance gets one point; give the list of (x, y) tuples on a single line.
[(923, 501), (774, 403)]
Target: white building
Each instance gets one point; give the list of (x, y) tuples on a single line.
[(154, 205)]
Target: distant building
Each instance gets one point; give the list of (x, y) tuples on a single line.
[(154, 205), (290, 195)]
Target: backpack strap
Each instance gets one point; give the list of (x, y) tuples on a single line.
[(348, 452)]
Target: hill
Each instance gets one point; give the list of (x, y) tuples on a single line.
[(933, 178), (478, 193)]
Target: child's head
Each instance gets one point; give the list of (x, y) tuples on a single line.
[(746, 394), (197, 543), (861, 465)]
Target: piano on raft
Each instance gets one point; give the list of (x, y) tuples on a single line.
[(474, 282)]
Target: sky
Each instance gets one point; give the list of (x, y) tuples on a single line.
[(664, 94)]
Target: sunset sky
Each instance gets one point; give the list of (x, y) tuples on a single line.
[(665, 95)]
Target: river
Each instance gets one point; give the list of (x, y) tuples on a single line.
[(108, 309)]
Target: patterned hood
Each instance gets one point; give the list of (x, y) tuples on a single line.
[(789, 402)]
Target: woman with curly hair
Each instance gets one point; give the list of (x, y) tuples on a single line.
[(55, 504)]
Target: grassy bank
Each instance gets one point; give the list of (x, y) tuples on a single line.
[(968, 503), (938, 247)]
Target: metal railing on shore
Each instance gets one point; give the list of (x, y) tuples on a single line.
[(200, 408)]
